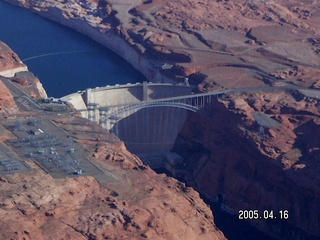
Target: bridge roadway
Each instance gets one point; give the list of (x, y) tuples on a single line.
[(194, 102), (315, 93)]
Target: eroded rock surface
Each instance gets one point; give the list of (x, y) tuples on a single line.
[(9, 61), (253, 167), (14, 69), (7, 103), (126, 200), (225, 44), (136, 204), (198, 38)]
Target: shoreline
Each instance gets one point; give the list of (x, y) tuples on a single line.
[(119, 43), (113, 42)]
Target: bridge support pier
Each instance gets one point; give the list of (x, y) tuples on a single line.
[(145, 91), (88, 96), (103, 113), (93, 112)]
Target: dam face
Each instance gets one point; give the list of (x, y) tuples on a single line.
[(129, 112), (150, 130)]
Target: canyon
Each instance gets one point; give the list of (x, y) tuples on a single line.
[(221, 45), (126, 200)]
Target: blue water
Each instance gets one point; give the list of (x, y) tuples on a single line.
[(77, 61)]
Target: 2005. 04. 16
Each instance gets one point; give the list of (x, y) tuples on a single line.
[(266, 214)]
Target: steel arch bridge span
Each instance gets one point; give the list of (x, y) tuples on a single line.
[(116, 115)]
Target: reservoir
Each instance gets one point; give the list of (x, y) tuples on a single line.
[(64, 60)]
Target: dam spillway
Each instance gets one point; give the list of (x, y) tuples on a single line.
[(130, 111)]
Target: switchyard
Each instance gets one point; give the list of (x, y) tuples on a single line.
[(10, 163), (52, 149)]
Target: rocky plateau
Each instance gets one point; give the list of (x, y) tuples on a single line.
[(226, 44), (138, 204)]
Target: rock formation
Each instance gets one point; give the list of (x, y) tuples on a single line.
[(7, 103), (10, 63), (268, 168), (12, 67), (226, 44), (139, 205), (136, 204), (254, 38)]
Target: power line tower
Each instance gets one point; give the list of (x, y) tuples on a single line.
[(261, 132), (265, 121)]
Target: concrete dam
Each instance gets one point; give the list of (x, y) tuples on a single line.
[(135, 113), (148, 116)]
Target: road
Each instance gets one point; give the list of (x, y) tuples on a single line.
[(114, 109), (315, 93), (22, 96)]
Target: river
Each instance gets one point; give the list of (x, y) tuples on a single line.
[(64, 60)]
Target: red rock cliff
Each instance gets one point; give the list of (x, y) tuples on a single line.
[(136, 204), (263, 169), (220, 45)]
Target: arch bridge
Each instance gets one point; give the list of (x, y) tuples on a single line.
[(148, 116)]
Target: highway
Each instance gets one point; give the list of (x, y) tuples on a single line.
[(190, 102), (186, 100), (243, 90), (314, 93), (22, 96)]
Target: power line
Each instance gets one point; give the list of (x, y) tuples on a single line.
[(53, 54)]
